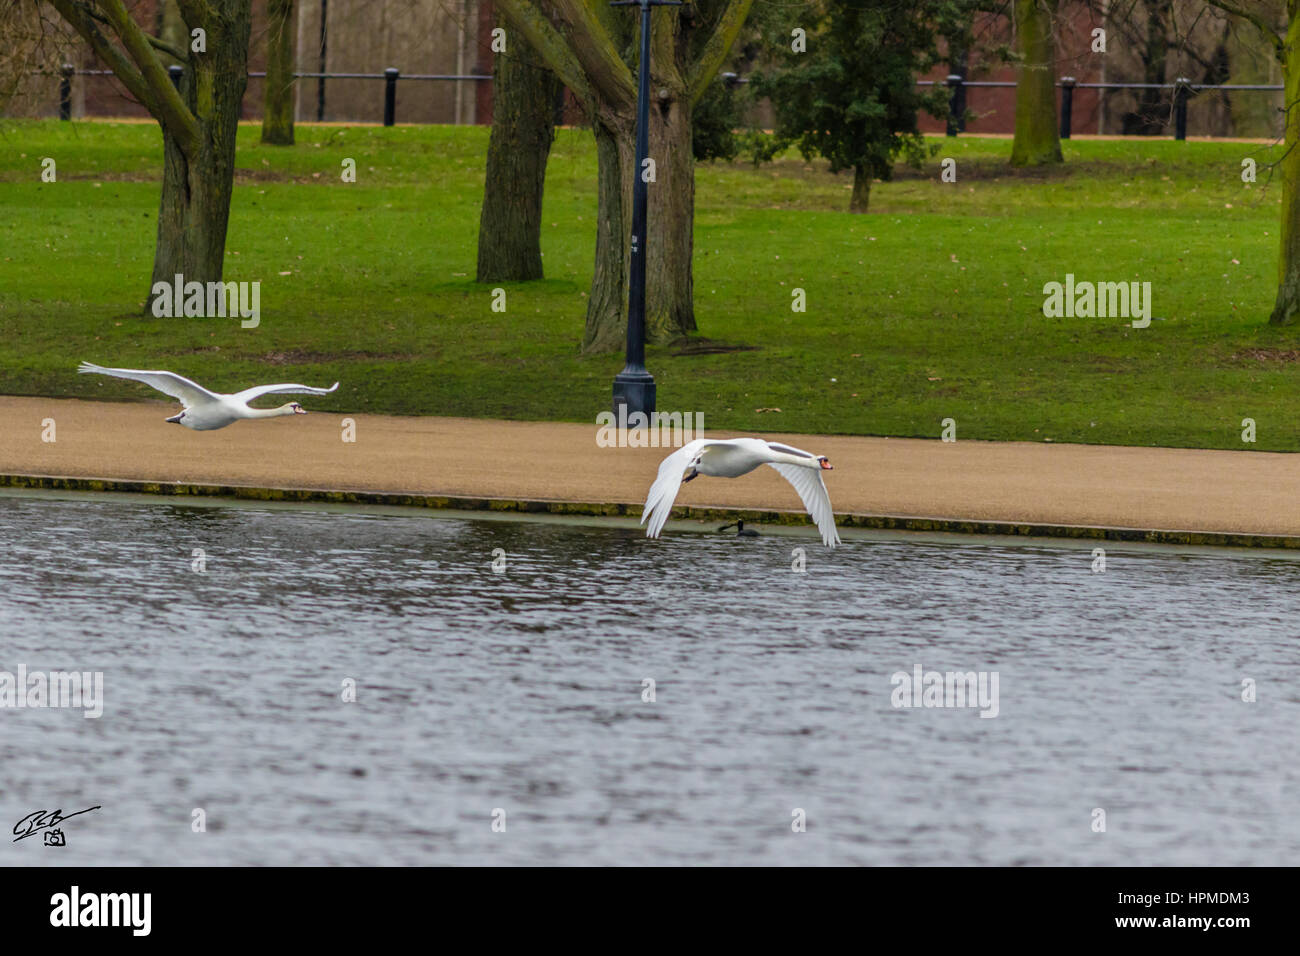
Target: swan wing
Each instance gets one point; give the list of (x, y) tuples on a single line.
[(169, 383), (257, 391), (815, 498), (659, 502)]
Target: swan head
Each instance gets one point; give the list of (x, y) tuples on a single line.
[(295, 409), (825, 463)]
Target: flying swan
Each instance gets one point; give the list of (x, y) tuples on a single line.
[(206, 410), (731, 458)]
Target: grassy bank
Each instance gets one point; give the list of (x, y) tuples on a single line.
[(930, 307)]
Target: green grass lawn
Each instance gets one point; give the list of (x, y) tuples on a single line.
[(929, 307)]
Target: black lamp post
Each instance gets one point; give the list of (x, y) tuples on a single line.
[(634, 387)]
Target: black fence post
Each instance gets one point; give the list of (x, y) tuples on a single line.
[(320, 80), (175, 72), (956, 104), (1067, 105), (65, 92), (1182, 90), (390, 94)]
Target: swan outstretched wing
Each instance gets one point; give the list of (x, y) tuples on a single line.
[(659, 502), (257, 391), (813, 494), (169, 383)]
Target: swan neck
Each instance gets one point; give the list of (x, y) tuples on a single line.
[(787, 459), (269, 412)]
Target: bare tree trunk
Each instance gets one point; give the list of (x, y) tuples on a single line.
[(1287, 307), (861, 189), (277, 99), (193, 214), (1286, 45), (607, 304), (1037, 138), (523, 128), (198, 121), (670, 306), (194, 211), (585, 43), (1153, 106)]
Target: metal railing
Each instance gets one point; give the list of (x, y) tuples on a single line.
[(390, 77), (1182, 88)]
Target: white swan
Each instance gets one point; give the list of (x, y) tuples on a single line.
[(206, 410), (731, 458)]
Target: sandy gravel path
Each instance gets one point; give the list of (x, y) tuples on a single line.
[(1153, 488)]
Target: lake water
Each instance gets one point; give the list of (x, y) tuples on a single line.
[(522, 692)]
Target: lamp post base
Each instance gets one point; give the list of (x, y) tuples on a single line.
[(636, 390)]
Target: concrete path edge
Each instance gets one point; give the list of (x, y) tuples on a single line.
[(877, 522)]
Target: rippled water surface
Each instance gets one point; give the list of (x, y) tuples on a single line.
[(522, 692)]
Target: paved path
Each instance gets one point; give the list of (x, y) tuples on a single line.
[(1150, 488)]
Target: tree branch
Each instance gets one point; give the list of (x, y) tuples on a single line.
[(525, 17), (82, 19), (618, 23), (167, 48), (594, 47), (1257, 19), (665, 31), (171, 111), (195, 13), (716, 49)]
